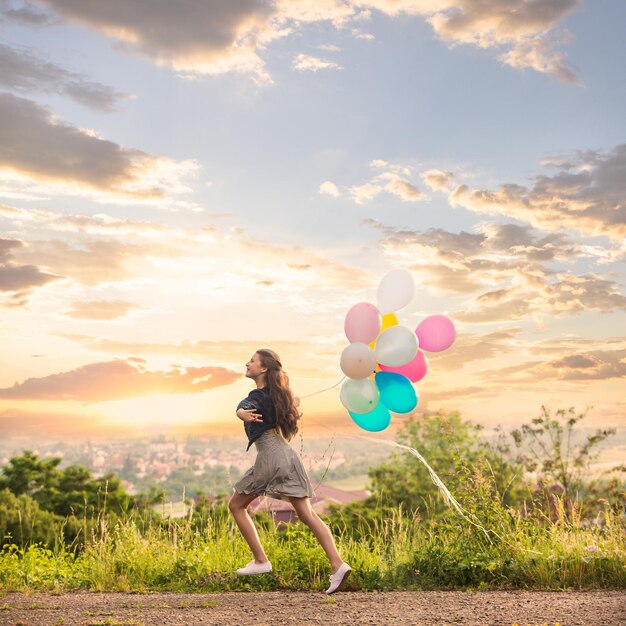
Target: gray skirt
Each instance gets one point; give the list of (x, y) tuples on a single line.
[(277, 471)]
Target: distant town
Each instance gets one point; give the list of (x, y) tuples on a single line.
[(193, 466), (171, 469)]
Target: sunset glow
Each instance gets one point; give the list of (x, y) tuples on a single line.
[(178, 189)]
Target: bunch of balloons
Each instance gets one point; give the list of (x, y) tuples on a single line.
[(384, 358)]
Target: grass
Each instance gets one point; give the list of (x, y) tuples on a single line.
[(390, 554)]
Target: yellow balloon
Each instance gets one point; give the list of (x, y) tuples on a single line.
[(388, 320)]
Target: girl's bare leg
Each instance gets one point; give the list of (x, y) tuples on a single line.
[(238, 505), (309, 517)]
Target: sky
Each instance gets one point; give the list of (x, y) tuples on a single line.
[(184, 182)]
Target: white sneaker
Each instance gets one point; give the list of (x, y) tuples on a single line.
[(338, 578), (255, 568)]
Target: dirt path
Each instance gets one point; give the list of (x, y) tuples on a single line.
[(498, 608)]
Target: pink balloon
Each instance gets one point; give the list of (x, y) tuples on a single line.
[(363, 323), (436, 333), (414, 370)]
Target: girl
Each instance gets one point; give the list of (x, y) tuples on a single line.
[(270, 416)]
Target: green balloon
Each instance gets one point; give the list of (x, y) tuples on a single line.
[(359, 395)]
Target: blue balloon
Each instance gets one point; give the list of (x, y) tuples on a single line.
[(374, 421), (396, 392)]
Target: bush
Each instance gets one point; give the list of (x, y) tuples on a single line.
[(23, 522)]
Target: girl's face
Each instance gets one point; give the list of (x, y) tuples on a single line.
[(254, 368)]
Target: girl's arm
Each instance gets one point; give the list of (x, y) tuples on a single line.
[(248, 415)]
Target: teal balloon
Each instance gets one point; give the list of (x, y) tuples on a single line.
[(374, 421), (396, 392)]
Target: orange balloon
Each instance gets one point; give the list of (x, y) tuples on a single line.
[(372, 376)]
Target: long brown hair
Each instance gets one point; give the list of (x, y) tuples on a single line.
[(287, 414)]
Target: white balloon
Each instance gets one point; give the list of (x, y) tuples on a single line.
[(357, 360), (395, 291), (396, 346), (359, 396)]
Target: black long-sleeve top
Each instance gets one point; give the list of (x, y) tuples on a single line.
[(260, 400)]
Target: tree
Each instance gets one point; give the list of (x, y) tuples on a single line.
[(447, 442), (73, 489), (547, 447), (22, 521), (29, 475), (63, 492)]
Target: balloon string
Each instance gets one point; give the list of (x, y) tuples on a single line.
[(323, 390), (443, 490), (448, 498)]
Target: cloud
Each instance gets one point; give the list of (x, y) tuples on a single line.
[(541, 294), (392, 180), (279, 266), (586, 363), (306, 359), (469, 348), (563, 346), (523, 32), (330, 189), (403, 189), (226, 36), (96, 224), (100, 248), (308, 63), (337, 12), (35, 146), (362, 193), (592, 364), (563, 361), (537, 53), (577, 365), (19, 281), (299, 266), (473, 391), (508, 266), (588, 195), (559, 294), (359, 34), (25, 14), (115, 380), (526, 28), (100, 309), (188, 36), (90, 261), (328, 47), (467, 262), (22, 71), (392, 169), (438, 180), (213, 350)]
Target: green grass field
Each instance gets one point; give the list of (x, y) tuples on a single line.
[(392, 554)]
